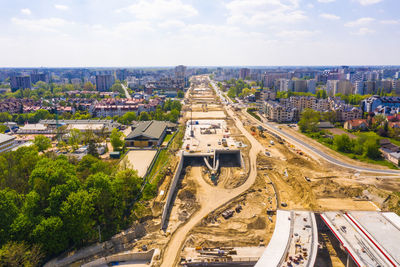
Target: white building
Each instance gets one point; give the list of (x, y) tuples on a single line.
[(7, 142)]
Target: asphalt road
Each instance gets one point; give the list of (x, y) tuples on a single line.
[(320, 153), (126, 91)]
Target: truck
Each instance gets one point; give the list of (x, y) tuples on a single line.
[(224, 142), (271, 142)]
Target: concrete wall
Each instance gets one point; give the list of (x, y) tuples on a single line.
[(129, 256), (172, 191)]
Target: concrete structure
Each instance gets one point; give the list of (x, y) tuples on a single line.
[(244, 73), (125, 259), (104, 82), (7, 142), (180, 76), (36, 77), (294, 241), (147, 134), (20, 82), (369, 238)]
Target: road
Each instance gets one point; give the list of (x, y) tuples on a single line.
[(309, 147), (320, 153), (127, 95), (213, 200)]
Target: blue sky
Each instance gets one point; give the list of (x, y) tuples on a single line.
[(75, 33)]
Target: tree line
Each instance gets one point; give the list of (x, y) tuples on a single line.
[(49, 203)]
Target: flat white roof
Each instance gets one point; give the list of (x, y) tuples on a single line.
[(6, 138), (277, 245), (386, 234), (362, 250)]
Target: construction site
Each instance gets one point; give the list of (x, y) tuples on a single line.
[(239, 194)]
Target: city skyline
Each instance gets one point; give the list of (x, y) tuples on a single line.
[(199, 33)]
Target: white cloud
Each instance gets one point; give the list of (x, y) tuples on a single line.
[(390, 22), (359, 22), (172, 23), (160, 9), (61, 7), (261, 12), (46, 24), (363, 31), (368, 2), (26, 11), (329, 16), (326, 1), (298, 34)]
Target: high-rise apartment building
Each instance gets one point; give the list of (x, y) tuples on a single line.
[(180, 72), (36, 77), (104, 82), (20, 82), (244, 73)]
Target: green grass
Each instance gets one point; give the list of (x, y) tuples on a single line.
[(251, 112), (168, 137)]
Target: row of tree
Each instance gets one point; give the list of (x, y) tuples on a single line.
[(48, 202)]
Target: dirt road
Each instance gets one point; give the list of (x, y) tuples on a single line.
[(214, 198)]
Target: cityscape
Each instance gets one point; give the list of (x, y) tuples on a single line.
[(244, 135)]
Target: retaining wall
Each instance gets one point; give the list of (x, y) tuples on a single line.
[(123, 257), (171, 190)]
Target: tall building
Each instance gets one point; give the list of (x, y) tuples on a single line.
[(35, 77), (104, 82), (243, 73), (20, 82), (299, 86), (180, 72), (311, 85), (344, 87)]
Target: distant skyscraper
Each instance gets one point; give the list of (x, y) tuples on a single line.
[(244, 73), (104, 82), (20, 82), (180, 76), (35, 77)]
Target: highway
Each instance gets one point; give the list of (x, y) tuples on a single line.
[(307, 146)]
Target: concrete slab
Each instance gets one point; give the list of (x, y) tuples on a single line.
[(140, 160)]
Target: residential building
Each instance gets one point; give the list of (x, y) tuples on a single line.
[(36, 77), (356, 124), (374, 102), (277, 112), (180, 76), (20, 82), (104, 82), (244, 73)]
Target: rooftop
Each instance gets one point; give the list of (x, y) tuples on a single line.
[(6, 138)]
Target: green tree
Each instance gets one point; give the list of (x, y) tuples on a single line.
[(42, 142), (371, 150), (343, 143), (75, 137), (77, 214), (92, 150), (88, 86), (117, 139), (144, 116), (174, 115), (9, 201), (180, 94), (50, 234), (20, 254), (309, 120)]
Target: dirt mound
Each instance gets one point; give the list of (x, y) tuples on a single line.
[(259, 223), (187, 194)]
